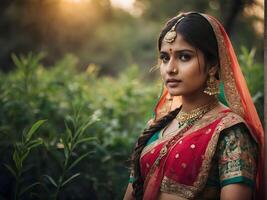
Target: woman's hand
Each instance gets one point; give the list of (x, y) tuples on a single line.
[(236, 192)]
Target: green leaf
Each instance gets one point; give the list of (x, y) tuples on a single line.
[(88, 139), (84, 140), (71, 178), (69, 132), (79, 159), (34, 127), (16, 60), (34, 143), (11, 170), (17, 160), (24, 156), (81, 129), (23, 190), (66, 147), (24, 136), (51, 180)]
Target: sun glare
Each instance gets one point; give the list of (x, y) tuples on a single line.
[(125, 4), (74, 1)]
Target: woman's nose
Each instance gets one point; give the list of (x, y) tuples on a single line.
[(172, 67)]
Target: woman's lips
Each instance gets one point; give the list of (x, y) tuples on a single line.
[(173, 82)]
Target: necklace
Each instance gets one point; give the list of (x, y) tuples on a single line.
[(192, 116), (188, 123)]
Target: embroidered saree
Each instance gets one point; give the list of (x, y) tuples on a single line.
[(215, 152), (224, 149)]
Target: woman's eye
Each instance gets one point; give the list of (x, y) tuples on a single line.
[(185, 57), (164, 58)]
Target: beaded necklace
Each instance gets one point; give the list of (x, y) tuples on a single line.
[(188, 124)]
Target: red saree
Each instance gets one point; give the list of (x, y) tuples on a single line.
[(198, 147), (184, 169)]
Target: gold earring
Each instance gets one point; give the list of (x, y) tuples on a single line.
[(212, 87)]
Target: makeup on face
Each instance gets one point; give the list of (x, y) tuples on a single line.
[(180, 67), (182, 55)]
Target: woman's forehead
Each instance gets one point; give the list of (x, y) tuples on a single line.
[(177, 45)]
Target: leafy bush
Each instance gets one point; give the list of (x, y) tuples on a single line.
[(79, 159), (57, 93)]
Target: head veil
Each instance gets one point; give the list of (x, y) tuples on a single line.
[(235, 91)]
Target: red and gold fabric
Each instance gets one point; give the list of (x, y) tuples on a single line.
[(187, 170), (238, 99)]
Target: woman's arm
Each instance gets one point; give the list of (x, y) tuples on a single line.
[(237, 160), (236, 192), (128, 193)]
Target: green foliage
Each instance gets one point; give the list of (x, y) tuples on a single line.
[(254, 75), (111, 37), (253, 71), (72, 101), (22, 150), (73, 137), (65, 166)]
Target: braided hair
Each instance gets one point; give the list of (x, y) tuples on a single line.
[(197, 31), (141, 143)]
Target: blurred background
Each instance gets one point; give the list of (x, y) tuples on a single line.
[(84, 67)]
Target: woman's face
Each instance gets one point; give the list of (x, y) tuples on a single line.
[(182, 68)]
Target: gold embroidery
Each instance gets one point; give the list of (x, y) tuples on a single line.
[(229, 120), (171, 187), (185, 191), (203, 122), (235, 155), (230, 88)]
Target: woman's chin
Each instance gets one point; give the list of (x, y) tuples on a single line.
[(174, 92)]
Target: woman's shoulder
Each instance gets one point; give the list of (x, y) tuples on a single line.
[(237, 156), (231, 122), (230, 119), (233, 125)]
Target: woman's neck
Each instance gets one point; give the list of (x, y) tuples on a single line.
[(191, 102)]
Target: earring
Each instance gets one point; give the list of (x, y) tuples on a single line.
[(212, 87)]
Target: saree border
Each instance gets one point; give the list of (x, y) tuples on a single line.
[(191, 191), (199, 125), (230, 87)]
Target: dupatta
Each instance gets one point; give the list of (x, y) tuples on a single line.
[(236, 95)]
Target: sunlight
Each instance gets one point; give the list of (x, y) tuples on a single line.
[(74, 1), (125, 4)]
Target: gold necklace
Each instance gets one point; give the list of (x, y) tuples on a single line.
[(192, 116)]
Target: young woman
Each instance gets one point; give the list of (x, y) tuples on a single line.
[(200, 145)]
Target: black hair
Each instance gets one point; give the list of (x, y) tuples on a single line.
[(197, 31), (138, 183)]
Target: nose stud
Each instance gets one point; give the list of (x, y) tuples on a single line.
[(174, 70)]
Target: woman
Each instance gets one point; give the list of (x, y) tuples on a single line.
[(196, 147)]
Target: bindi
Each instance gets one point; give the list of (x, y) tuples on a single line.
[(170, 50)]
